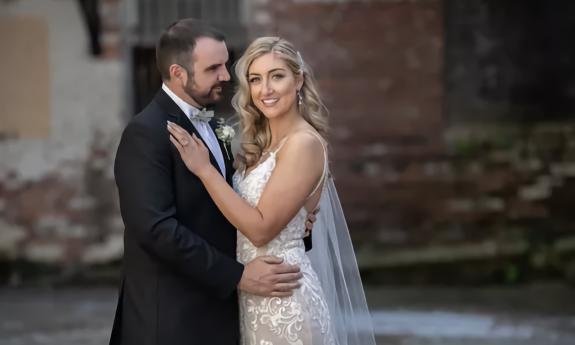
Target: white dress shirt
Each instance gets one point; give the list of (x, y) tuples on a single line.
[(202, 127)]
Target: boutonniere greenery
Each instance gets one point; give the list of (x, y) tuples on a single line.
[(225, 134)]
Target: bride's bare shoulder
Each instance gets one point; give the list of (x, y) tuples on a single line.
[(304, 142)]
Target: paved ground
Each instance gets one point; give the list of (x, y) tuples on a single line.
[(527, 315), (543, 315), (63, 317)]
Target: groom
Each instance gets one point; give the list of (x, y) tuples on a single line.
[(180, 274)]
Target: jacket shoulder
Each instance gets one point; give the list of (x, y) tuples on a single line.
[(152, 118)]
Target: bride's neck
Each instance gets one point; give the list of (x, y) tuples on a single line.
[(281, 127)]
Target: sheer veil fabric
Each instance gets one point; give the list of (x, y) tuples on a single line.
[(333, 259)]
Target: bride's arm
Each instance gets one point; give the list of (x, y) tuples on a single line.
[(298, 168)]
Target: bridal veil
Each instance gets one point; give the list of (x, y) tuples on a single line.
[(334, 261)]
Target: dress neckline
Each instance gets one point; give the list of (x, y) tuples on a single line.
[(244, 175)]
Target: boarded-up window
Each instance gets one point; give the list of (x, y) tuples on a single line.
[(24, 69)]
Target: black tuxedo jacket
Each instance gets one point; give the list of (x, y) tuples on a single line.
[(179, 270)]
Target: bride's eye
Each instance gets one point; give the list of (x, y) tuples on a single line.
[(253, 80), (277, 76)]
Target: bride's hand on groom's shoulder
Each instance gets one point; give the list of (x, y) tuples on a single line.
[(269, 276), (191, 148)]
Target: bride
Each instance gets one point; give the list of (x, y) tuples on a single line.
[(282, 174)]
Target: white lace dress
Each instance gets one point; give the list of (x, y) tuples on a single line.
[(301, 319)]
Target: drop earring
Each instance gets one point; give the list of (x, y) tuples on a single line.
[(299, 98)]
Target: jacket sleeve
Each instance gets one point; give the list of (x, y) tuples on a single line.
[(143, 172)]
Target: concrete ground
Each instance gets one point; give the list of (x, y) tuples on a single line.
[(541, 315)]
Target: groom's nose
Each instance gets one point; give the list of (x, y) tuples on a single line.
[(224, 75)]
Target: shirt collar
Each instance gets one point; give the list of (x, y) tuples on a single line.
[(187, 108)]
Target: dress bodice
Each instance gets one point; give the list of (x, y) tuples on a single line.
[(250, 187), (302, 318)]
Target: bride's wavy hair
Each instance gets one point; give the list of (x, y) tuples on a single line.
[(254, 126)]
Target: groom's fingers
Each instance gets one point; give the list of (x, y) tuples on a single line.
[(271, 259), (286, 269), (311, 218), (288, 278), (286, 287)]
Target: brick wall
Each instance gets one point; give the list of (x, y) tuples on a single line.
[(409, 183), (379, 66), (417, 190)]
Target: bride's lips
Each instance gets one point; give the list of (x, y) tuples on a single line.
[(269, 102)]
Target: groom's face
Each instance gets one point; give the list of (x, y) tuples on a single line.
[(208, 72)]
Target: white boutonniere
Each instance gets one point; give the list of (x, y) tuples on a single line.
[(226, 134)]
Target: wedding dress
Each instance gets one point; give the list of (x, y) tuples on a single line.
[(307, 317)]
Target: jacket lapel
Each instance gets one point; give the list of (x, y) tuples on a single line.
[(229, 162)]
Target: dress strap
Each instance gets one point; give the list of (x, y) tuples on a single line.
[(282, 142), (325, 164)]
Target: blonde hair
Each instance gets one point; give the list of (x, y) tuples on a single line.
[(254, 126)]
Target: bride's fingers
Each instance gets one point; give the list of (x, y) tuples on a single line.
[(197, 140), (198, 143), (178, 131), (177, 144), (182, 138), (172, 129), (174, 125)]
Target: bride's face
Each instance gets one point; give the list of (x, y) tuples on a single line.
[(273, 86)]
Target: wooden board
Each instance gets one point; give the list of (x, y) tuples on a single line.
[(25, 75)]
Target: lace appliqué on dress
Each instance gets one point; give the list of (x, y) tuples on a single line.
[(301, 319)]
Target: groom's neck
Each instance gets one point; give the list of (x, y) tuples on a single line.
[(179, 91)]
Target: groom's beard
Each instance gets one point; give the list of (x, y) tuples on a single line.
[(204, 98)]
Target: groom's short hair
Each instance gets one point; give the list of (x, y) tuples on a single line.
[(178, 40)]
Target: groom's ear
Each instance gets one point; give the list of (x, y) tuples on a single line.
[(177, 72)]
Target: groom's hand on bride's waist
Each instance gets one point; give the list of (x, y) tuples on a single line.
[(310, 221), (269, 276)]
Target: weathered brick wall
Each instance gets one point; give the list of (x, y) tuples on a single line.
[(57, 195), (410, 184), (415, 189), (379, 66)]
